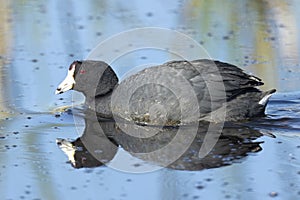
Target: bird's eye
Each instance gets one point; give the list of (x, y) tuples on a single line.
[(82, 71)]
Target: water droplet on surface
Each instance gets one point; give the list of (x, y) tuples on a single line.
[(273, 194), (149, 14), (200, 187)]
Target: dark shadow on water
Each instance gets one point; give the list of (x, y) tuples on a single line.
[(102, 139)]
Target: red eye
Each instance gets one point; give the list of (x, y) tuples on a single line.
[(82, 71)]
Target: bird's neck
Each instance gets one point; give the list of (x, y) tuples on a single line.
[(101, 104)]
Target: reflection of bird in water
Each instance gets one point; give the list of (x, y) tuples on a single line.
[(94, 148), (100, 141), (170, 94)]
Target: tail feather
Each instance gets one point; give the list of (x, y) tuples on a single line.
[(265, 97)]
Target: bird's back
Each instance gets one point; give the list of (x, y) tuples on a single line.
[(180, 92)]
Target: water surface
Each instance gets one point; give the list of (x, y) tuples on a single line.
[(38, 41)]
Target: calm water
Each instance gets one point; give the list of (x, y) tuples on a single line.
[(38, 41)]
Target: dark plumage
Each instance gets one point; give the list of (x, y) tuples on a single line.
[(171, 93)]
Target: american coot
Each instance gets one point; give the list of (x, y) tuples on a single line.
[(176, 92)]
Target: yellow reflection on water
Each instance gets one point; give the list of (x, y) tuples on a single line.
[(5, 42), (260, 36)]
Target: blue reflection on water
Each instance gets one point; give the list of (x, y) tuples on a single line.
[(47, 36)]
